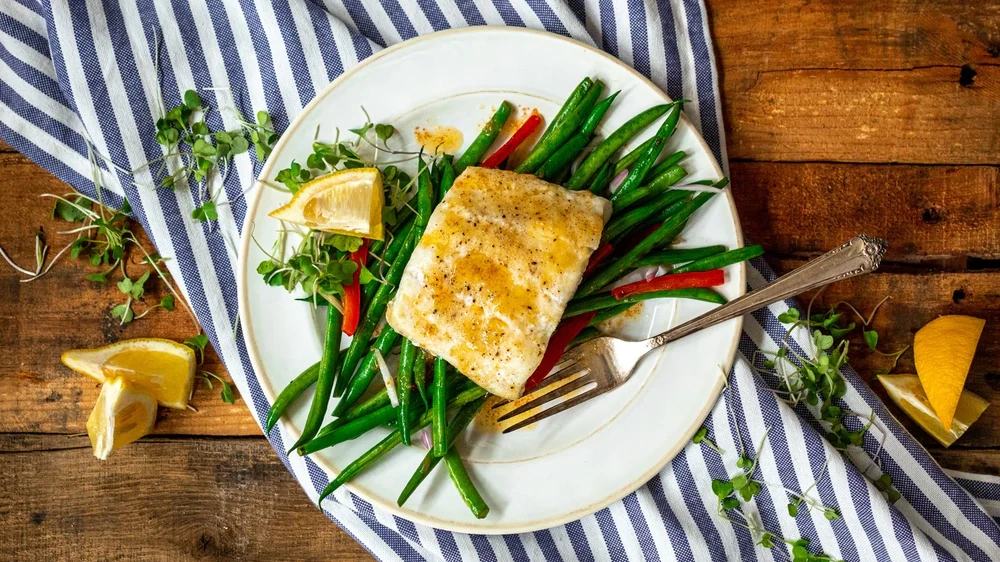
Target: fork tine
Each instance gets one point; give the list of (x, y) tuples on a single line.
[(597, 391), (582, 381), (565, 369), (558, 373)]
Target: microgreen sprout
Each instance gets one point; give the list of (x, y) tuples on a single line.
[(814, 377), (226, 394), (319, 264), (701, 437)]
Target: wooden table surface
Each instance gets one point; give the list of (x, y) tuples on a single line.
[(842, 117)]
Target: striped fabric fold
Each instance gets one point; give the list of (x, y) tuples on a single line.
[(77, 77)]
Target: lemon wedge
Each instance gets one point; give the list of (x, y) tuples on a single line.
[(344, 202), (122, 415), (942, 352), (164, 369), (907, 392)]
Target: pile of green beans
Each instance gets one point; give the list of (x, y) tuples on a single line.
[(643, 198)]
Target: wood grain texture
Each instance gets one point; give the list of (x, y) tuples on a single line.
[(896, 81), (914, 300), (928, 213), (822, 100), (41, 319), (159, 499)]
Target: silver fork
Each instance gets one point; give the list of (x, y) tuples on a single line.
[(595, 367)]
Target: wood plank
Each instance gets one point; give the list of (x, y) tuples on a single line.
[(920, 116), (903, 81), (852, 34), (914, 300), (160, 499), (62, 311), (974, 461), (928, 213)]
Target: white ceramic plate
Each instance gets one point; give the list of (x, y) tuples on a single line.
[(571, 464)]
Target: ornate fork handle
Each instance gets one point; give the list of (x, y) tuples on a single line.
[(859, 255)]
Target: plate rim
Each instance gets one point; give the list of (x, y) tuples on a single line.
[(269, 392)]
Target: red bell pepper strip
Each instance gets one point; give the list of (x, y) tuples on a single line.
[(352, 292), (670, 281), (557, 345), (519, 136), (597, 258)]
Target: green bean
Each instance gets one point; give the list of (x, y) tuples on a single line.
[(561, 177), (567, 107), (326, 377), (378, 401), (667, 231), (608, 313), (616, 140), (448, 436), (466, 488), (602, 180), (425, 197), (562, 158), (722, 260), (597, 115), (404, 378), (439, 408), (561, 132), (567, 153), (637, 174), (391, 252), (658, 185), (633, 155), (447, 176), (369, 367), (674, 257), (294, 389), (420, 376), (585, 335), (604, 301), (390, 442), (485, 138), (664, 215), (667, 163), (627, 221), (349, 430), (376, 308)]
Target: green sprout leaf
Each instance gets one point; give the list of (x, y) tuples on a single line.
[(205, 212), (384, 131), (167, 302), (198, 344), (227, 393), (192, 99), (871, 338), (790, 316), (70, 212)]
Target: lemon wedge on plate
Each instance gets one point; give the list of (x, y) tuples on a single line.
[(907, 392), (942, 352), (122, 415), (344, 202), (164, 369)]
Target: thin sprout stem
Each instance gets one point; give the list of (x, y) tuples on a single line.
[(78, 229), (128, 306), (89, 212), (166, 281), (41, 272), (14, 265)]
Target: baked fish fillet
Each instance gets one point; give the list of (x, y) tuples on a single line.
[(501, 257)]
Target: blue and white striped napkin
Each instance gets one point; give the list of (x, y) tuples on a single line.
[(73, 72)]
